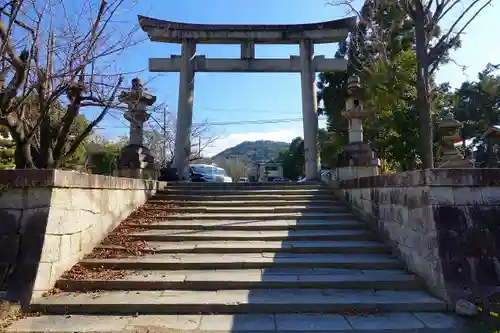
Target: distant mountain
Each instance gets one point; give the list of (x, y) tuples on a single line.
[(250, 152)]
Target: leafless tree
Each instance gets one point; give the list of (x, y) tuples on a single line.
[(160, 139), (233, 167), (432, 44), (57, 59)]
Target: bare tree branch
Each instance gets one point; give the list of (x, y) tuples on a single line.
[(55, 65), (79, 140)]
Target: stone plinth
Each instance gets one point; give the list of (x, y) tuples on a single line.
[(136, 161), (360, 161), (350, 172), (49, 219), (444, 223), (359, 153)]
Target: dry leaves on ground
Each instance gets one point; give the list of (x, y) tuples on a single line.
[(79, 272), (119, 244), (150, 212), (10, 313)]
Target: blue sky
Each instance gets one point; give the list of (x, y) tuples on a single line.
[(242, 97)]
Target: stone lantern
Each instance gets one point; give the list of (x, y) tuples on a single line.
[(136, 160), (359, 159), (354, 111), (450, 127)]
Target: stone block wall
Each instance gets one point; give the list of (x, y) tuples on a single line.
[(49, 219), (444, 223)]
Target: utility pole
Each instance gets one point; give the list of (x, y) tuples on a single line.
[(199, 147), (164, 150)]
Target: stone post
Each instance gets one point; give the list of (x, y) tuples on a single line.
[(309, 109), (360, 160), (185, 110), (451, 158), (135, 160)]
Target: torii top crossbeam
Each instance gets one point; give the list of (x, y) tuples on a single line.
[(175, 32)]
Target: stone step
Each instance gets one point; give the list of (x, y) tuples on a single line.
[(209, 235), (252, 210), (255, 225), (247, 192), (403, 322), (198, 196), (265, 246), (247, 279), (247, 186), (262, 216), (248, 203), (237, 301), (248, 260)]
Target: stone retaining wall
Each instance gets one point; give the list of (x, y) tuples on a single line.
[(49, 219), (444, 223)]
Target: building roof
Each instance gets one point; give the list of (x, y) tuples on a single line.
[(174, 32)]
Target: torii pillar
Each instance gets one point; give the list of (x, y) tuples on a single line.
[(309, 109), (185, 110)]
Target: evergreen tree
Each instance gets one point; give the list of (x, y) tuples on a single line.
[(293, 159)]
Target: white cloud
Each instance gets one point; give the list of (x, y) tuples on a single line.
[(233, 139)]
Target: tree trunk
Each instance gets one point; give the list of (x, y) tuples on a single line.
[(45, 158), (23, 157), (423, 103), (61, 137)]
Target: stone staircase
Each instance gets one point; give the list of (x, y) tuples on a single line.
[(247, 257)]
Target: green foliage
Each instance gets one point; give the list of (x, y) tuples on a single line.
[(329, 148), (477, 103), (392, 126), (100, 162), (249, 152), (102, 156), (387, 66), (7, 157), (4, 131), (77, 128), (7, 149), (293, 159)]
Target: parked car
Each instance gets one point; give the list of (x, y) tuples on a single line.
[(243, 180), (221, 172), (282, 180), (208, 173)]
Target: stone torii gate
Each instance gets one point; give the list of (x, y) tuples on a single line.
[(189, 35)]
